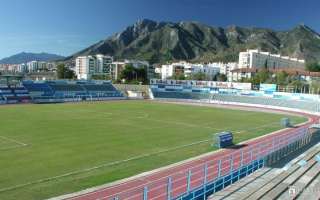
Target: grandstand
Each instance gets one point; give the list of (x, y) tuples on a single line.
[(64, 91), (38, 88), (58, 91), (101, 91), (68, 91), (217, 95), (296, 177), (296, 104), (6, 93), (14, 94), (181, 95)]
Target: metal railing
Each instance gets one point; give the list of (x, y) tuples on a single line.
[(209, 176)]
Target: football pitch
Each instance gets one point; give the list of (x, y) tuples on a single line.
[(50, 150)]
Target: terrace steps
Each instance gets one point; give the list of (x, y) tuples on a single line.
[(273, 183)]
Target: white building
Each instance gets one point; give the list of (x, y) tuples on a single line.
[(119, 66), (33, 66), (103, 64), (42, 66), (87, 66), (251, 61), (23, 68), (116, 69), (225, 68), (187, 69), (258, 59)]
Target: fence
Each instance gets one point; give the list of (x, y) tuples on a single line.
[(208, 177)]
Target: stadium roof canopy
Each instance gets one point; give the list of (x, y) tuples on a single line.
[(10, 77)]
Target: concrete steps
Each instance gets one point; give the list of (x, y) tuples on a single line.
[(276, 183)]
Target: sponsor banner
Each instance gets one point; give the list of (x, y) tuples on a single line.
[(208, 84), (268, 87), (241, 86)]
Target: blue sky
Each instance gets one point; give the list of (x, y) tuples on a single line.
[(67, 26)]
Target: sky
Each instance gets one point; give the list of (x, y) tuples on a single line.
[(66, 26)]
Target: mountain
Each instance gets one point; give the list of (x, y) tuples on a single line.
[(27, 57), (194, 41)]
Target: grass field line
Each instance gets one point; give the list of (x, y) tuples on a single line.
[(13, 141), (76, 172), (16, 144), (143, 115), (146, 116)]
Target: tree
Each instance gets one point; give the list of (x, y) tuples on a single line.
[(178, 76), (64, 72), (255, 80), (101, 77), (246, 80), (167, 56), (133, 75), (297, 85), (262, 76), (200, 76), (221, 77), (313, 67), (281, 78), (266, 65), (315, 87)]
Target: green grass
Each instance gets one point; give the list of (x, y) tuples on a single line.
[(63, 138)]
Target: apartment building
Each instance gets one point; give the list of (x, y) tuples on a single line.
[(187, 69), (254, 58), (88, 66)]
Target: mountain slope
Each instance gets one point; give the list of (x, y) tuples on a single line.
[(166, 41), (27, 57)]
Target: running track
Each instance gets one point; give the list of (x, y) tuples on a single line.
[(158, 181)]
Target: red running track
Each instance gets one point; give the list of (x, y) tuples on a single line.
[(157, 182)]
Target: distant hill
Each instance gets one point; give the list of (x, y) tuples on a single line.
[(27, 57), (167, 41)]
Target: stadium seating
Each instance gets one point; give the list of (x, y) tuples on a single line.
[(21, 94), (14, 94), (66, 91), (38, 89), (181, 95), (230, 96), (100, 87), (297, 104), (283, 180), (6, 92), (2, 98), (104, 90)]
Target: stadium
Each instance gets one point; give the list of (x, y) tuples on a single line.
[(95, 140)]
